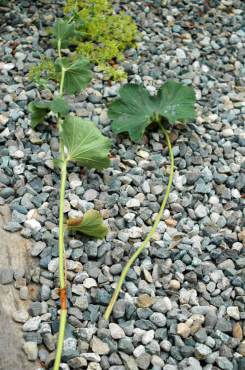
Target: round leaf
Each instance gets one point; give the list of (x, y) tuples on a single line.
[(136, 109), (63, 32), (77, 74), (85, 143)]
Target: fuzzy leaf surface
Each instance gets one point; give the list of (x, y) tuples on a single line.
[(136, 109), (91, 224), (77, 74), (38, 110), (63, 32), (85, 143)]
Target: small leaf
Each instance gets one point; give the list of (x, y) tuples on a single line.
[(85, 143), (59, 106), (91, 224), (136, 109), (77, 74), (63, 32), (38, 110)]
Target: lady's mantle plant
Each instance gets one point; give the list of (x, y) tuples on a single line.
[(133, 112), (102, 34), (80, 141)]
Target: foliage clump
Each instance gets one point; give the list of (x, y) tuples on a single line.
[(102, 35)]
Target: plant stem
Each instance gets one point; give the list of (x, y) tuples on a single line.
[(149, 236), (62, 279)]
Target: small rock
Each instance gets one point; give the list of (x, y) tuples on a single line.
[(162, 305), (33, 224), (77, 362), (133, 203), (174, 284), (116, 331), (241, 348), (158, 319), (233, 311), (202, 351), (145, 301), (90, 195), (6, 276), (20, 316), (89, 283), (224, 363), (37, 248), (31, 350), (148, 337), (32, 324), (180, 53), (201, 211), (237, 331), (99, 347), (183, 330)]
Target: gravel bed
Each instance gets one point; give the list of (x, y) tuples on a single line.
[(183, 303)]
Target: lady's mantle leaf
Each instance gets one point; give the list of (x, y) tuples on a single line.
[(85, 143), (59, 106), (136, 109), (38, 110), (77, 74), (91, 224), (63, 32)]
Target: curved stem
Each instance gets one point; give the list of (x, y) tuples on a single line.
[(149, 236)]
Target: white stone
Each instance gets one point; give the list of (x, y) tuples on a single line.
[(180, 53), (233, 311), (32, 324), (74, 181), (33, 224), (89, 283), (53, 265), (99, 347), (135, 232), (139, 351), (116, 331), (133, 203), (201, 211), (148, 337), (90, 195), (227, 132)]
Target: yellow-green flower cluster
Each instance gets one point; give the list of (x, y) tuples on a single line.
[(103, 35)]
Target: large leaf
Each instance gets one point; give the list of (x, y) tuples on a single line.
[(90, 224), (77, 74), (38, 110), (136, 109), (63, 32), (85, 143)]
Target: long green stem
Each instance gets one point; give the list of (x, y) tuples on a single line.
[(149, 236), (62, 279)]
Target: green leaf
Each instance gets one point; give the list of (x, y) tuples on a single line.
[(85, 143), (63, 32), (59, 106), (90, 224), (77, 74), (38, 110), (136, 109), (176, 102)]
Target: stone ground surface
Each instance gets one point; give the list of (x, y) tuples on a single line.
[(15, 255), (183, 304)]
